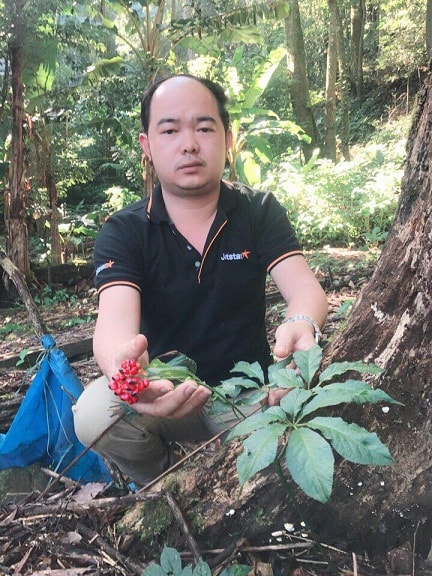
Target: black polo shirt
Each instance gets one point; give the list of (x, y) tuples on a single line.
[(209, 306)]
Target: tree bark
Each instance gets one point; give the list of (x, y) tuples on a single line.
[(331, 75), (299, 84), (391, 325), (18, 279), (358, 15), (17, 233), (428, 31), (343, 84)]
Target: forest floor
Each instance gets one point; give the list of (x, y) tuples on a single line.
[(44, 527)]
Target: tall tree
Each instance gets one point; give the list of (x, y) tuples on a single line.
[(17, 233), (429, 29), (336, 86), (330, 89), (299, 83), (358, 16)]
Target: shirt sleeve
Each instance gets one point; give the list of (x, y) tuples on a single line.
[(275, 236), (118, 253)]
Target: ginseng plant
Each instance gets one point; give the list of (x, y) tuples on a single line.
[(293, 433)]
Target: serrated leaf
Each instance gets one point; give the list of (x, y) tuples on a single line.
[(292, 403), (352, 442), (338, 368), (310, 461), (308, 362), (202, 569), (278, 366), (257, 421), (287, 378), (259, 451), (236, 570), (240, 381), (355, 391), (365, 392), (153, 570), (170, 561), (181, 359), (253, 370), (252, 398)]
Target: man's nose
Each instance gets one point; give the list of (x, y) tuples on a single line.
[(190, 143)]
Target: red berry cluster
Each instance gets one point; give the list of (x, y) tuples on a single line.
[(129, 381)]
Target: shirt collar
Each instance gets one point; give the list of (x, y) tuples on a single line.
[(156, 210)]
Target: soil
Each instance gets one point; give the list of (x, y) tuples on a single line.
[(48, 532)]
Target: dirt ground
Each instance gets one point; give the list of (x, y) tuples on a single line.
[(56, 527)]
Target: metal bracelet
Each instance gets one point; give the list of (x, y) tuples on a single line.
[(298, 317)]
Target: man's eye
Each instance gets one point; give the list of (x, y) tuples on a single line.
[(169, 131), (206, 129)]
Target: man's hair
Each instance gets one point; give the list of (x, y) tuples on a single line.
[(215, 89)]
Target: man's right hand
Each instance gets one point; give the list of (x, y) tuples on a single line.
[(161, 399)]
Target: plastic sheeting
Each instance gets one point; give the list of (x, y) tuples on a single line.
[(42, 430)]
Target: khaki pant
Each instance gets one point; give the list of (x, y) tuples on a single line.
[(138, 445)]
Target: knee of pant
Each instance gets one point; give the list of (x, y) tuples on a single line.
[(94, 411)]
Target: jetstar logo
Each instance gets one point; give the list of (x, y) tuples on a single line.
[(108, 264), (236, 255)]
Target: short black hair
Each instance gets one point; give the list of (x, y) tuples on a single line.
[(215, 89)]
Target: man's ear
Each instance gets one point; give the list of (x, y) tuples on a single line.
[(143, 140)]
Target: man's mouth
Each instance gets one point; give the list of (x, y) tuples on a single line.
[(191, 164)]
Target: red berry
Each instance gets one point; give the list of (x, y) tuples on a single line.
[(127, 383)]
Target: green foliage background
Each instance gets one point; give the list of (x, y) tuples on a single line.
[(85, 71)]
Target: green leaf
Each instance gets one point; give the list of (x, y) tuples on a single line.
[(278, 366), (187, 571), (257, 421), (363, 392), (153, 570), (183, 360), (310, 461), (286, 378), (22, 356), (236, 570), (355, 391), (252, 398), (158, 369), (338, 368), (292, 403), (102, 69), (239, 382), (308, 362), (253, 370), (170, 561), (259, 451), (262, 76), (352, 442), (202, 569)]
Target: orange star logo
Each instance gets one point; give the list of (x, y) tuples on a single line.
[(245, 254), (109, 264)]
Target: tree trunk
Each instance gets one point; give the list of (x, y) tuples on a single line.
[(358, 15), (331, 75), (428, 31), (372, 508), (299, 84), (17, 233), (391, 325), (343, 84)]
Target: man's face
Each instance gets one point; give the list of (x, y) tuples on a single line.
[(186, 140)]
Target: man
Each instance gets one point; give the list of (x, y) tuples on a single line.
[(185, 270)]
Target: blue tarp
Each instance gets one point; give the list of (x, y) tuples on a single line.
[(42, 430)]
